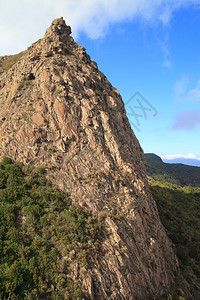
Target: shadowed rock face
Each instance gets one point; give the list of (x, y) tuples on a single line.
[(59, 111)]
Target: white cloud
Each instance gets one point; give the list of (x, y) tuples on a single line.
[(27, 19), (175, 156), (183, 94)]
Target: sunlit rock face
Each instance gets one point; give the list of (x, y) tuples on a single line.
[(59, 111)]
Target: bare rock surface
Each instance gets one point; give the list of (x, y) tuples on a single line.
[(59, 111)]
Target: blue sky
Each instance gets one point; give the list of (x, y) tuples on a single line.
[(148, 47)]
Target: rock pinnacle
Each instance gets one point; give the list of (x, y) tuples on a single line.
[(59, 111)]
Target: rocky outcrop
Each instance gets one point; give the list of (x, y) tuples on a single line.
[(59, 111)]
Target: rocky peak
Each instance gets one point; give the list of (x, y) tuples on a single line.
[(58, 34), (59, 111), (58, 27)]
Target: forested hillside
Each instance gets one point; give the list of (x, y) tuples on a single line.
[(179, 210), (41, 236), (179, 174)]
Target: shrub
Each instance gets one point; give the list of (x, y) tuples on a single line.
[(38, 227), (6, 161)]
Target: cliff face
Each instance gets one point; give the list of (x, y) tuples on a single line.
[(59, 111)]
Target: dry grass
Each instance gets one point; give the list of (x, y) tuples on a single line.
[(6, 62)]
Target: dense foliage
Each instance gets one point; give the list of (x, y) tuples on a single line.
[(41, 233), (179, 210), (174, 173)]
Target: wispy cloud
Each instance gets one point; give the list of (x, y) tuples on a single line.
[(178, 155), (28, 19), (164, 47), (183, 94), (187, 120), (181, 87), (167, 63)]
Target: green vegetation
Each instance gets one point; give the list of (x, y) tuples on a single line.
[(41, 234), (8, 61), (174, 173), (97, 92), (179, 209), (170, 295)]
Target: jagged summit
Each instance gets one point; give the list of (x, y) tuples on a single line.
[(58, 36), (57, 39), (58, 110), (58, 27)]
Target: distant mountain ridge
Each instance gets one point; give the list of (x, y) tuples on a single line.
[(181, 160), (180, 174)]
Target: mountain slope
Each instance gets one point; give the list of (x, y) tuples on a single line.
[(179, 209), (180, 174), (42, 236), (58, 110)]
